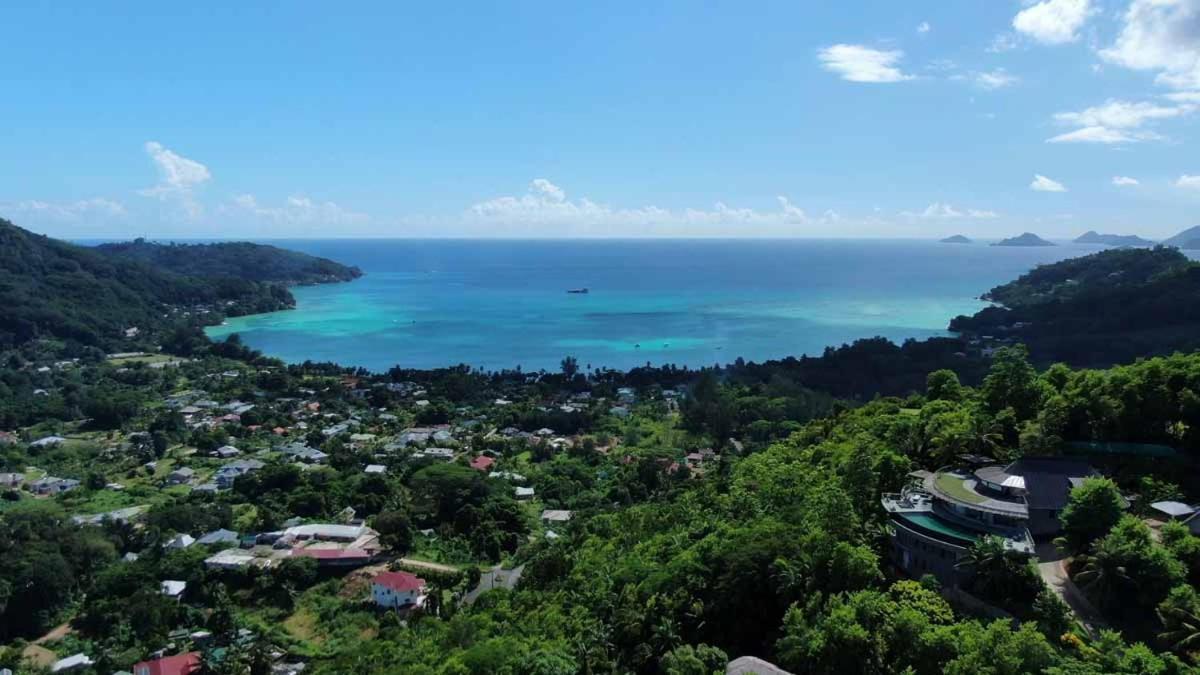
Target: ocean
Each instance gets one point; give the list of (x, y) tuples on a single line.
[(495, 304)]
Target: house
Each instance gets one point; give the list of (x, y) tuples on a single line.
[(11, 480), (48, 442), (619, 411), (524, 492), (180, 541), (328, 532), (72, 663), (180, 664), (303, 453), (555, 516), (375, 468), (937, 519), (50, 485), (444, 454), (230, 471), (221, 536), (226, 452), (482, 463), (181, 476), (1174, 510), (398, 590), (173, 589)]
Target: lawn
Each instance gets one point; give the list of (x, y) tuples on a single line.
[(953, 486)]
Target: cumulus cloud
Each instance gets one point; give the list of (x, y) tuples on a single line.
[(545, 204), (1162, 36), (856, 63), (178, 178), (296, 210), (1043, 184), (68, 211), (924, 27), (943, 211), (1053, 22), (1124, 181), (1117, 121), (995, 79), (1188, 182)]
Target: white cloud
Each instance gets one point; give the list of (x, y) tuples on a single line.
[(178, 178), (1004, 42), (546, 205), (1053, 22), (1117, 121), (1124, 181), (995, 79), (296, 210), (1042, 184), (1188, 182), (943, 211), (857, 63), (923, 28), (1163, 36), (1184, 96), (97, 207), (1098, 135)]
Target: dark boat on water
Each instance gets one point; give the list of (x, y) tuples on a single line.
[(577, 291)]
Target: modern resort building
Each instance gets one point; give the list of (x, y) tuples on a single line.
[(940, 515)]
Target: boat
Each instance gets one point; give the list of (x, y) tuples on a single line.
[(577, 291)]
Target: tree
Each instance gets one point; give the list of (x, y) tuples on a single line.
[(943, 385), (395, 530), (1012, 383), (1093, 509), (570, 366)]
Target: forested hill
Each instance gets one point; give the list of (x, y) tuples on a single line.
[(52, 289), (239, 260), (1109, 307)]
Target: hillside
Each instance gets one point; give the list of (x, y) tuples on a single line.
[(1026, 239), (1109, 307), (956, 239), (1188, 239), (52, 289), (238, 260), (1094, 237)]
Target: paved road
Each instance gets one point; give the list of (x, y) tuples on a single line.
[(1051, 567), (495, 577)]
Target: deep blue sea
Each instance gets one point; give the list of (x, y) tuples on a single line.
[(499, 304)]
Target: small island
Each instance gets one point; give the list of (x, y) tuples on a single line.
[(1188, 239), (957, 239), (1026, 239), (1094, 237)]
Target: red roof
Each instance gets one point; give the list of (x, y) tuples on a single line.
[(482, 462), (180, 664), (399, 581)]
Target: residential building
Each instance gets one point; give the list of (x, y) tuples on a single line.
[(555, 516), (935, 520), (180, 664), (398, 590)]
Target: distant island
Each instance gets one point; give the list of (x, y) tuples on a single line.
[(1094, 237), (957, 239), (1188, 239), (1026, 239)]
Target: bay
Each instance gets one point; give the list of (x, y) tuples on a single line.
[(498, 304)]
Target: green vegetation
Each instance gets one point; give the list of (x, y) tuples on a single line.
[(233, 260)]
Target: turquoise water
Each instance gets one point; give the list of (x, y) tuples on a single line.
[(499, 304)]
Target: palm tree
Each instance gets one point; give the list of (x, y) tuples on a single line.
[(1183, 629), (1104, 575)]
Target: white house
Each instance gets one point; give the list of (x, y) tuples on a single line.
[(398, 590)]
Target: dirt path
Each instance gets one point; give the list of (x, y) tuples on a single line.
[(57, 633), (426, 565), (1054, 573)]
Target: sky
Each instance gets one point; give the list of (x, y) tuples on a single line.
[(615, 119)]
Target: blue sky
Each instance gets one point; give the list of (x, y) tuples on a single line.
[(898, 119)]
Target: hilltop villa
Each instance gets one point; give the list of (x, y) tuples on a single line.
[(942, 514)]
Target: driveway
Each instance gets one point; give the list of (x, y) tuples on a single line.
[(1051, 565)]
